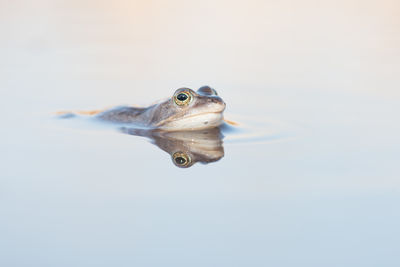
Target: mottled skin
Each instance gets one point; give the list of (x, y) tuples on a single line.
[(203, 111)]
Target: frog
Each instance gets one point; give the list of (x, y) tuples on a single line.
[(188, 125), (185, 110)]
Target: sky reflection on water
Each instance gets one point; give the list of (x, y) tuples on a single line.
[(310, 177)]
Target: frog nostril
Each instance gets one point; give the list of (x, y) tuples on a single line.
[(215, 100)]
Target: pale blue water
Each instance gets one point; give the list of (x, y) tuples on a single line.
[(310, 177)]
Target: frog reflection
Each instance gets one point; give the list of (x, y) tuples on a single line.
[(186, 147)]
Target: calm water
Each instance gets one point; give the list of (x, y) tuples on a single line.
[(310, 177)]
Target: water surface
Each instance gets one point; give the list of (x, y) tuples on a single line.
[(310, 177)]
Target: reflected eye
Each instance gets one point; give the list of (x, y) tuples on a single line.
[(181, 159), (182, 98)]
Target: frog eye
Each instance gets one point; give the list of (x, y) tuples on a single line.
[(181, 159), (182, 98)]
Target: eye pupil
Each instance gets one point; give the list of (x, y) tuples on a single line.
[(180, 160), (182, 97)]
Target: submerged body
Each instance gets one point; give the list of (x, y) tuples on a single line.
[(185, 110)]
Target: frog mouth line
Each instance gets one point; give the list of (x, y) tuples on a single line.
[(202, 114), (205, 113), (191, 116)]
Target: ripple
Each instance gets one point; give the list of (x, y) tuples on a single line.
[(255, 130)]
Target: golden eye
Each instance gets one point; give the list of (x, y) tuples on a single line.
[(182, 98), (181, 159)]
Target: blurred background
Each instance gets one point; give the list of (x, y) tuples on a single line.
[(313, 178)]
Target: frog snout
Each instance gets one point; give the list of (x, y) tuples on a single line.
[(216, 100)]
